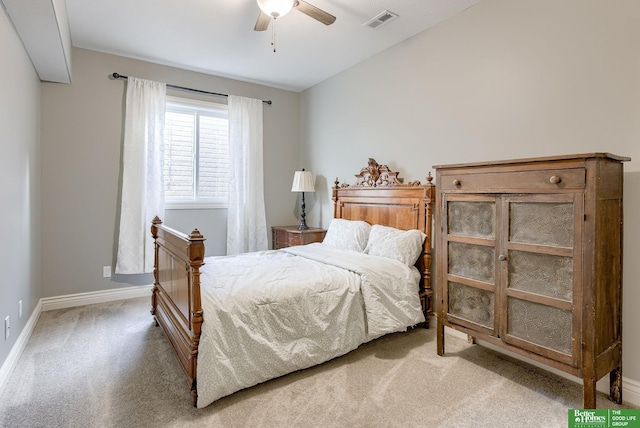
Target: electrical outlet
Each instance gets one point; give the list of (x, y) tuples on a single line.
[(106, 271), (7, 328), (20, 309)]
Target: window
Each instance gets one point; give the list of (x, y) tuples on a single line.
[(196, 154)]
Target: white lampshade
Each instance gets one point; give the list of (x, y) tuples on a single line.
[(302, 182), (276, 8)]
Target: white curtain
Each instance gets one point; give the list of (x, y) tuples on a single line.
[(142, 183), (246, 224)]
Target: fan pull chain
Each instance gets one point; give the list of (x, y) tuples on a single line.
[(273, 34)]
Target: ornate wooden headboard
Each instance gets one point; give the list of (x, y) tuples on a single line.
[(379, 197)]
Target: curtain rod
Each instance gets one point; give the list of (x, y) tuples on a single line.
[(120, 76)]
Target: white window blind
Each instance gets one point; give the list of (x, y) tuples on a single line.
[(196, 154)]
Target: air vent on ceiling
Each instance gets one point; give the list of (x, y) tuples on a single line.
[(380, 19)]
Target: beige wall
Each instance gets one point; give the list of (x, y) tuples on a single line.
[(504, 79), (20, 189), (81, 151)]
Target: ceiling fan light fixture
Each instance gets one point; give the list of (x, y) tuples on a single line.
[(276, 8)]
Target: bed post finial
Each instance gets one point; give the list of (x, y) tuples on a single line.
[(154, 226), (195, 234), (429, 178)]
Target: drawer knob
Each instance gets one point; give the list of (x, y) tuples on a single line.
[(554, 179), (502, 257), (456, 182)]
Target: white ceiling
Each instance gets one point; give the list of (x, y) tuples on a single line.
[(217, 36)]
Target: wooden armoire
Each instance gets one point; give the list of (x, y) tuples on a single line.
[(529, 259)]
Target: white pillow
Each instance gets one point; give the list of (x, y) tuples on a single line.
[(392, 243), (347, 234)]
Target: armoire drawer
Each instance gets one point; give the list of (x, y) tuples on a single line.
[(514, 181)]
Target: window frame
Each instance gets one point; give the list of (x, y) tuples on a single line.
[(215, 109)]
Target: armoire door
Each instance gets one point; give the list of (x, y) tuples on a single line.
[(471, 235), (540, 273)]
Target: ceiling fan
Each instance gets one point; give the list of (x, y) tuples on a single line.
[(273, 9)]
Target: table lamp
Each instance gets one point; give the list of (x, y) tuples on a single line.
[(302, 182)]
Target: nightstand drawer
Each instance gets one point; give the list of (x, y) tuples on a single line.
[(288, 236)]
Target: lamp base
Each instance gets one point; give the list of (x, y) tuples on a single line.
[(303, 216)]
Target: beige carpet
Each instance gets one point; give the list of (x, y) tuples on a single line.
[(107, 365)]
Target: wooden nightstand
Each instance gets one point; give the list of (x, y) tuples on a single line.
[(287, 236)]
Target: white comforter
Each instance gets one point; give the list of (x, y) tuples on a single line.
[(270, 313)]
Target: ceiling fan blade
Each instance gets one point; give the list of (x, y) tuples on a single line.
[(315, 13), (263, 22)]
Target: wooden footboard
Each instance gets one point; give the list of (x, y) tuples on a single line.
[(176, 304)]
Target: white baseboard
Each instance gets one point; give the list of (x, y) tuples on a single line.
[(81, 299), (60, 302), (15, 353), (630, 387), (631, 391)]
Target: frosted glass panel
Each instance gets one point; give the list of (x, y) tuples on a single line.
[(543, 325), (471, 304), (541, 223), (472, 261), (475, 219), (542, 274)]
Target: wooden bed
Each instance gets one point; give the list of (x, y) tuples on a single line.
[(377, 197)]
